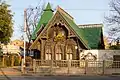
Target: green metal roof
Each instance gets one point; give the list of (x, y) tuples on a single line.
[(76, 29), (93, 36), (45, 17), (89, 36)]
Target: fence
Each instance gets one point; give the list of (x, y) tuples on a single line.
[(75, 67)]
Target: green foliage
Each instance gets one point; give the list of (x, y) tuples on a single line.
[(116, 47), (16, 61), (8, 60), (6, 23), (1, 53)]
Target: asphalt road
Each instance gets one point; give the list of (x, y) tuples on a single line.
[(61, 78), (5, 75)]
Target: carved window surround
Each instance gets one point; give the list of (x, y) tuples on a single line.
[(48, 52)]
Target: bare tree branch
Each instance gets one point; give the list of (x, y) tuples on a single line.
[(115, 5), (33, 16), (113, 20)]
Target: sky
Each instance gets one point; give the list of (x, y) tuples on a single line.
[(83, 11)]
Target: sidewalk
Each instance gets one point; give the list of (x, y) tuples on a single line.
[(11, 71)]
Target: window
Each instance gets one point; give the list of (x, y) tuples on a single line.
[(48, 53), (48, 56), (58, 51), (58, 56), (69, 56), (69, 53)]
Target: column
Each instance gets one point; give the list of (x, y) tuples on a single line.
[(42, 49)]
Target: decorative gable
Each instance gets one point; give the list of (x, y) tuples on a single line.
[(57, 27)]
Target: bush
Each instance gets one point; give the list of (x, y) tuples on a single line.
[(1, 53), (16, 61), (8, 60)]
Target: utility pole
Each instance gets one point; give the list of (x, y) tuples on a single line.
[(25, 29)]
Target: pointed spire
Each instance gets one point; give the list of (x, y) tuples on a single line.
[(48, 7), (45, 17)]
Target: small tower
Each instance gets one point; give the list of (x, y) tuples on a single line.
[(45, 17)]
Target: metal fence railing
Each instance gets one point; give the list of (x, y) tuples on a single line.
[(75, 67)]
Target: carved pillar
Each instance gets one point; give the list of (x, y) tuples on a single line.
[(63, 51), (39, 48), (53, 51), (78, 49), (74, 52), (42, 49)]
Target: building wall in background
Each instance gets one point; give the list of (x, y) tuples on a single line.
[(98, 54)]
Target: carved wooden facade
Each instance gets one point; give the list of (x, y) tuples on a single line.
[(58, 40), (59, 44)]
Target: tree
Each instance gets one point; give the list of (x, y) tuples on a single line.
[(32, 18), (115, 44), (113, 20), (1, 53), (6, 23), (116, 47)]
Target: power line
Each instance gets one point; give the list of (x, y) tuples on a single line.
[(76, 9), (89, 9)]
